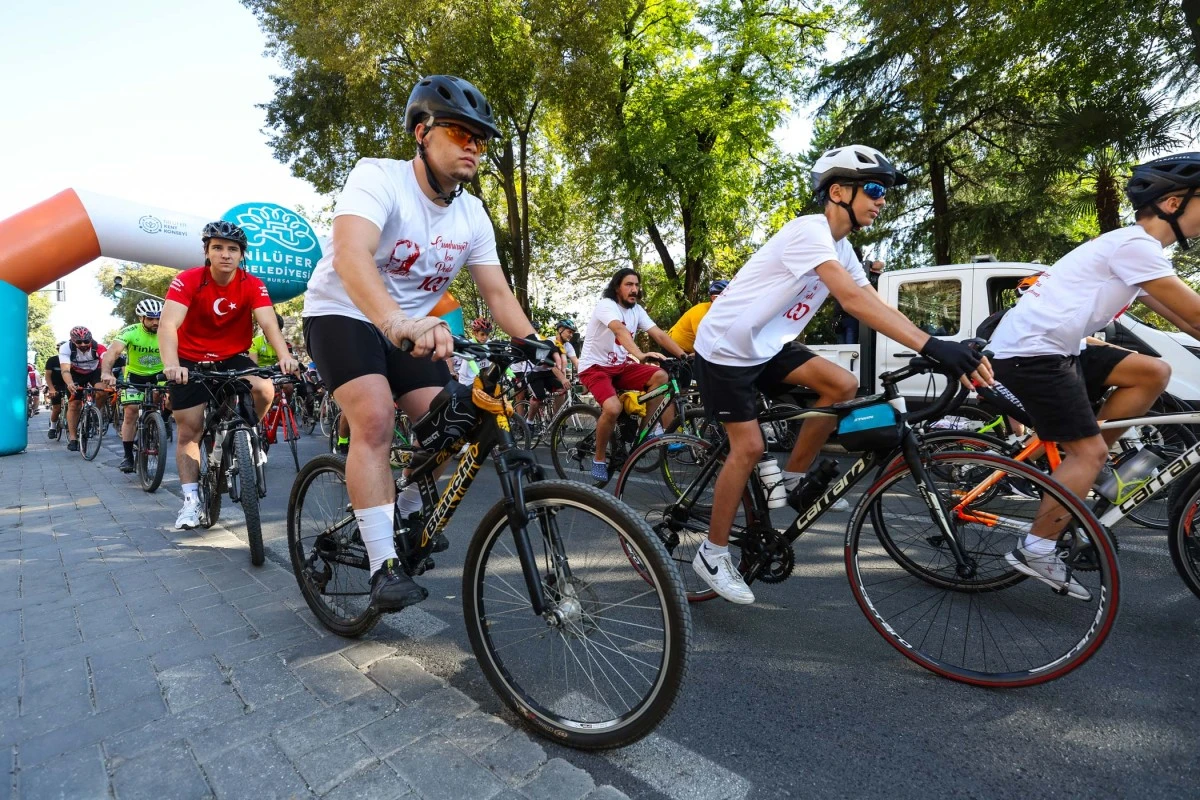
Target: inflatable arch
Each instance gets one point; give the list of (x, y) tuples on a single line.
[(57, 236)]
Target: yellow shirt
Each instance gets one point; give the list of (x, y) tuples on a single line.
[(684, 331)]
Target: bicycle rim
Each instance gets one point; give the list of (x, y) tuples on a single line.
[(292, 433), (152, 462), (573, 442), (994, 627), (1184, 542), (246, 475), (328, 557), (609, 670)]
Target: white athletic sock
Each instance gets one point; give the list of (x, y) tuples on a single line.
[(790, 479), (711, 549), (375, 528), (191, 492), (409, 501), (1038, 546)]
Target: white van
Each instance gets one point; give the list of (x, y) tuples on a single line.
[(951, 301)]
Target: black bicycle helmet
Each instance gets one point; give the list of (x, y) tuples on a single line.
[(1159, 177), (448, 97), (224, 230)]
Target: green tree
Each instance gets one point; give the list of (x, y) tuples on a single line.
[(147, 278), (41, 336)]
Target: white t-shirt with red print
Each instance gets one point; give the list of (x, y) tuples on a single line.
[(220, 319), (775, 295), (422, 245), (600, 346)]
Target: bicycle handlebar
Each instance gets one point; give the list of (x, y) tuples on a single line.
[(230, 374), (503, 353), (950, 398)]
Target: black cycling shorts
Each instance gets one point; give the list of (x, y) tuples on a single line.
[(1058, 391), (189, 395), (731, 393), (543, 383), (346, 348)]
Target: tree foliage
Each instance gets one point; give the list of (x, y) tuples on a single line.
[(38, 330), (147, 278)]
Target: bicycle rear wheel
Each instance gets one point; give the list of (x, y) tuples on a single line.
[(1174, 440), (151, 461), (1183, 538), (90, 432), (245, 476), (654, 496), (210, 486), (291, 432), (991, 626), (603, 666), (328, 555)]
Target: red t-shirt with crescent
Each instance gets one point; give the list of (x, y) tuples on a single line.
[(220, 319)]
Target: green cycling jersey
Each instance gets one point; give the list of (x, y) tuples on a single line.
[(267, 356), (142, 348)]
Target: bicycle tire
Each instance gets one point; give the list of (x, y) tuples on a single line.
[(332, 435), (521, 432), (246, 477), (308, 417), (151, 460), (573, 442), (1183, 538), (328, 557), (291, 432), (591, 716), (209, 487), (970, 441), (976, 614), (323, 415), (90, 432), (652, 498)]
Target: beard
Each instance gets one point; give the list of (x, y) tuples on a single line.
[(630, 303)]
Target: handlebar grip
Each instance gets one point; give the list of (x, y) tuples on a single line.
[(405, 346)]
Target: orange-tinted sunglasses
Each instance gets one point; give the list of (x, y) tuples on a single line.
[(461, 136)]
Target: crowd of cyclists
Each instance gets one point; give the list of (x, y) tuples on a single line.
[(403, 229)]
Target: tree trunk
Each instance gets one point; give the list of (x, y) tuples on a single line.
[(941, 211), (1108, 201), (518, 262), (1191, 12)]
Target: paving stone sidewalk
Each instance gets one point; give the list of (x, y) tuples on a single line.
[(143, 662)]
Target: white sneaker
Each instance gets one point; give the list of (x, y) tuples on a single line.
[(841, 504), (1049, 569), (722, 577), (189, 516)]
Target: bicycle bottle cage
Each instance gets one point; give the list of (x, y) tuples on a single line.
[(873, 427), (451, 418)]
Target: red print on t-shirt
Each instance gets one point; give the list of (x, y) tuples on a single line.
[(404, 255)]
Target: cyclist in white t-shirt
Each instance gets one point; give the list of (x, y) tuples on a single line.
[(401, 231), (746, 341), (611, 361), (1037, 343)]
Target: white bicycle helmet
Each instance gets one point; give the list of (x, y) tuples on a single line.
[(149, 308), (855, 162)]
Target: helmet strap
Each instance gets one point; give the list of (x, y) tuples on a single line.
[(434, 183), (854, 226), (1173, 219)]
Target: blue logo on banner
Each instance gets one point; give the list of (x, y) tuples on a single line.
[(283, 248)]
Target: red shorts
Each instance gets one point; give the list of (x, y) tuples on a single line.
[(605, 382)]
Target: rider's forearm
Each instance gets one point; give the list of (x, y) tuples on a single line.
[(360, 277), (168, 345), (626, 341), (869, 308)]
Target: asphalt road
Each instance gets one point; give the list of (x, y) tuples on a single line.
[(797, 696)]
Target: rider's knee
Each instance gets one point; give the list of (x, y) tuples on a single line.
[(659, 378), (373, 424), (1160, 373), (611, 408), (1092, 451), (746, 444), (845, 387)]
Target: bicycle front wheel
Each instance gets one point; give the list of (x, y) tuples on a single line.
[(246, 479), (573, 442), (603, 666), (328, 555), (151, 461), (981, 622), (90, 432)]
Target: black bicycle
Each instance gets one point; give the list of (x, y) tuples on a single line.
[(573, 609), (573, 430), (90, 425), (230, 451), (926, 558), (150, 438)]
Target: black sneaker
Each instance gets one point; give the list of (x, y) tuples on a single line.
[(73, 446), (52, 433), (127, 465), (393, 590)]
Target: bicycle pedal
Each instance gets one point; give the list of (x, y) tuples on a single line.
[(423, 567)]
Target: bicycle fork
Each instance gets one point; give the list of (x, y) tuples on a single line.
[(938, 511), (511, 466)]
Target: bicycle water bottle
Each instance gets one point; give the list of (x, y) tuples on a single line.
[(771, 478), (1131, 470), (817, 482)]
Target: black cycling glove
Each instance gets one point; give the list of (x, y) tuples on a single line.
[(955, 356)]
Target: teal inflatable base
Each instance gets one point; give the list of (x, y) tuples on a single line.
[(14, 344)]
